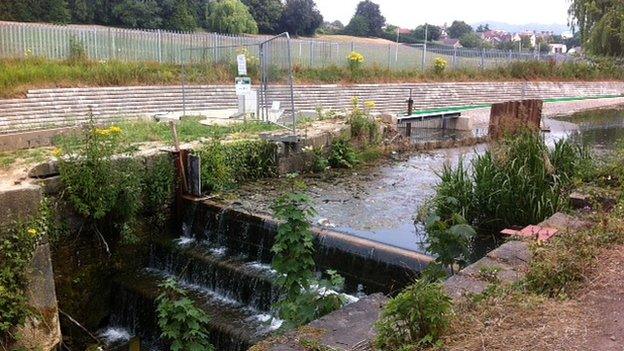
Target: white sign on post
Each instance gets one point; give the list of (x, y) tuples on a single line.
[(243, 86), (242, 64)]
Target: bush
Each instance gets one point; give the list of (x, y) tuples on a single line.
[(414, 319), (342, 154), (102, 180)]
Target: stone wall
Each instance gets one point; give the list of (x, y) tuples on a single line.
[(42, 331), (49, 108)]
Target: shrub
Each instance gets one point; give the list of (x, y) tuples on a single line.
[(342, 154), (180, 321), (306, 299), (158, 188), (414, 319), (102, 181), (439, 65)]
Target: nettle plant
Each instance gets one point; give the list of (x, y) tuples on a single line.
[(305, 297), (181, 322)]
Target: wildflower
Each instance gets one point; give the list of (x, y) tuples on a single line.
[(102, 132), (355, 101), (115, 130), (32, 232), (57, 152), (369, 105), (355, 57)]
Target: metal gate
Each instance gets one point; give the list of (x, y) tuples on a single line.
[(270, 62)]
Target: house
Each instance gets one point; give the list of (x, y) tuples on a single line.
[(558, 48), (451, 42), (496, 36), (530, 35)]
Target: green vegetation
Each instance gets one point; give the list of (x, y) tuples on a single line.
[(367, 21), (415, 319), (17, 76), (518, 182), (306, 298), (108, 186), (342, 154), (600, 24), (180, 321), (226, 164), (18, 241), (231, 16), (449, 240), (101, 177)]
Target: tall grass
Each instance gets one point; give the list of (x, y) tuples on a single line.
[(19, 75), (518, 182)]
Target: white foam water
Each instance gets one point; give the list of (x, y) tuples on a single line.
[(184, 241), (115, 335)]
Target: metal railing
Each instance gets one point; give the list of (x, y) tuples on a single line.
[(58, 42)]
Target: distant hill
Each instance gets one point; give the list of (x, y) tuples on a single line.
[(515, 28)]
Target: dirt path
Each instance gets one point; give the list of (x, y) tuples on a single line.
[(603, 300), (591, 321)]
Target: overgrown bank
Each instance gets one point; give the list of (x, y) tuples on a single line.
[(512, 316), (17, 76)]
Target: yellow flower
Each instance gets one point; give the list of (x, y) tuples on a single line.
[(102, 132), (355, 101), (57, 152), (355, 57), (32, 232), (114, 130), (369, 105)]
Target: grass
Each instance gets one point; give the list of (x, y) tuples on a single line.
[(562, 275), (19, 75), (10, 158), (188, 129)]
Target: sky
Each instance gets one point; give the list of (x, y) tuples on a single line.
[(410, 13)]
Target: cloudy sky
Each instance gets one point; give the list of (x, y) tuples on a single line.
[(409, 13)]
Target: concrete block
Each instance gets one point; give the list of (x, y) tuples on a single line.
[(506, 274), (19, 201), (514, 253), (459, 286)]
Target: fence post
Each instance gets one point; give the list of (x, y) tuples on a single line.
[(454, 58), (424, 56), (389, 55), (483, 59), (311, 54), (159, 46)]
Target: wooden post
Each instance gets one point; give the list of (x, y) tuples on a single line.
[(512, 116)]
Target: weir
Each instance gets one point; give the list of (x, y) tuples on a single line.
[(222, 256)]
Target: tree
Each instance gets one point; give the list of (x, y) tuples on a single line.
[(371, 14), (607, 36), (585, 14), (358, 27), (81, 12), (231, 16), (458, 29), (138, 14), (433, 33), (177, 15), (56, 11), (483, 28), (267, 14), (471, 40), (301, 17)]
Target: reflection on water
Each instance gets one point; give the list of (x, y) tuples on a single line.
[(602, 131)]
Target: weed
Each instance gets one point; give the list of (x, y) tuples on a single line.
[(180, 321), (415, 319), (449, 240), (342, 154)]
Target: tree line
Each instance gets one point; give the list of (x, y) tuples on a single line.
[(299, 17), (600, 24)]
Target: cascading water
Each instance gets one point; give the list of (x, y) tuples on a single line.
[(222, 257)]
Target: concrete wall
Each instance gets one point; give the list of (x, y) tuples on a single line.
[(49, 108), (42, 331)]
